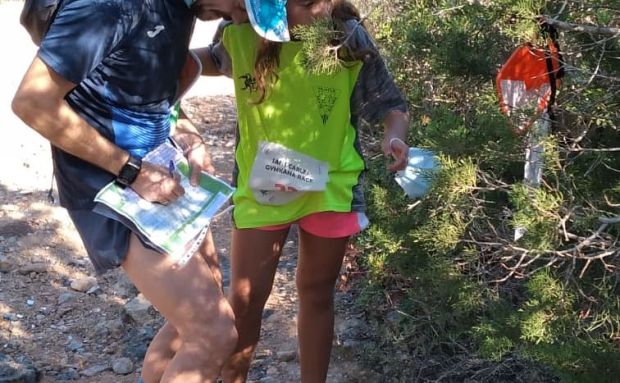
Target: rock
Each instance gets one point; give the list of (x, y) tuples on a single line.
[(287, 356), (95, 370), (138, 309), (74, 345), (37, 268), (115, 328), (18, 370), (66, 297), (349, 328), (263, 354), (101, 330), (77, 262), (271, 375), (68, 374), (94, 290), (124, 287), (122, 366), (5, 264), (83, 284), (63, 309)]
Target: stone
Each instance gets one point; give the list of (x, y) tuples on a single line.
[(18, 370), (122, 366), (5, 264), (66, 297), (138, 309), (95, 370), (124, 287), (36, 268), (287, 356), (83, 284), (68, 374), (74, 345)]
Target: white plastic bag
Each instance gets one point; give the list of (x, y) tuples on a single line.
[(415, 178)]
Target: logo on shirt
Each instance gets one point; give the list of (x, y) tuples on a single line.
[(155, 31), (249, 82), (325, 99)]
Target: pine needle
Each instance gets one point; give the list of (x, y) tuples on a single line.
[(321, 42)]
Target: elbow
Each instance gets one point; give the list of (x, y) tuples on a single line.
[(19, 105), (24, 105), (31, 107)]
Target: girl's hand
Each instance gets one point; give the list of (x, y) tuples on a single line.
[(399, 150), (155, 184), (195, 150)]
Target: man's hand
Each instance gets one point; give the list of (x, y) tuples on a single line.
[(194, 149), (155, 184)]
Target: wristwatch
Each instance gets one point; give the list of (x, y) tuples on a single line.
[(129, 172)]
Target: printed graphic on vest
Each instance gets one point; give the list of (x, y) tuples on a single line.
[(326, 98), (249, 83)]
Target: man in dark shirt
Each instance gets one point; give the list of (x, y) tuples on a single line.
[(100, 89)]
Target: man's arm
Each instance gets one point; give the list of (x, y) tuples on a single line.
[(39, 102), (194, 147), (209, 67)]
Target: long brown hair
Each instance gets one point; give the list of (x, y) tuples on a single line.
[(268, 52)]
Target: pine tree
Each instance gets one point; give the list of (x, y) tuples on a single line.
[(449, 265)]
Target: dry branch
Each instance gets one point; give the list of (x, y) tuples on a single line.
[(591, 29)]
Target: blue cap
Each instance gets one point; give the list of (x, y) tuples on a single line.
[(268, 17)]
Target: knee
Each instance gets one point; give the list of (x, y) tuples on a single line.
[(219, 334), (214, 328), (315, 292), (247, 300)]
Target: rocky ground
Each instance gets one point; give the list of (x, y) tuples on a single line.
[(61, 320)]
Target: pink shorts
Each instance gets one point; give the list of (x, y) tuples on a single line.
[(327, 224)]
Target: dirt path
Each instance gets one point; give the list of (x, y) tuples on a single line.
[(72, 327)]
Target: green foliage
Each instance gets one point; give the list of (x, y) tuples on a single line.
[(448, 264), (535, 210), (319, 53)]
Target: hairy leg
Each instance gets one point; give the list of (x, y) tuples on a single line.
[(320, 260), (167, 341), (254, 259), (200, 329)]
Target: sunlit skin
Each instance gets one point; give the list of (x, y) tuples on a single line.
[(215, 9)]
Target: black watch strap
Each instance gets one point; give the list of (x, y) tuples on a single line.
[(129, 172)]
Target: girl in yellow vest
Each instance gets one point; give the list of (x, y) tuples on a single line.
[(298, 160)]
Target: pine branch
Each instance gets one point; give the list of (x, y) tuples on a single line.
[(323, 42), (591, 29)]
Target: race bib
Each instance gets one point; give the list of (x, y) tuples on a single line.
[(280, 175), (279, 168)]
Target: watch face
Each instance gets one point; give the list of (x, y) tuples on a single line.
[(129, 172)]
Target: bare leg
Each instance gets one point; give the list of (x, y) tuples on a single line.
[(195, 308), (167, 341), (254, 259), (320, 260)]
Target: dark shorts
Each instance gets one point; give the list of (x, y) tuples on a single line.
[(105, 235)]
